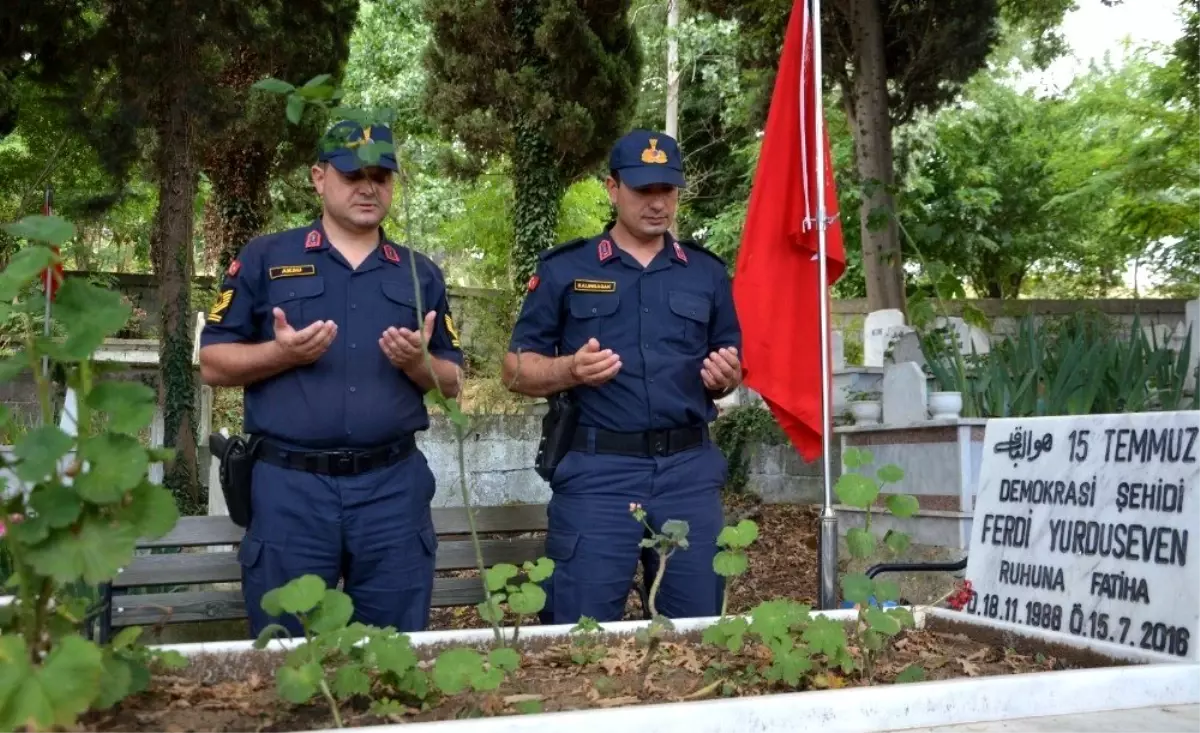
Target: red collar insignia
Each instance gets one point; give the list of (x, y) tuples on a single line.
[(234, 268), (390, 253), (604, 250), (313, 241), (533, 283), (680, 253)]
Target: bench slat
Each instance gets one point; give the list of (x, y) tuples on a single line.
[(187, 568), (228, 605), (220, 530)]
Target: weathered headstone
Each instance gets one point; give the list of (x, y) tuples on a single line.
[(837, 351), (1087, 525), (879, 328), (908, 348), (1191, 320), (905, 394)]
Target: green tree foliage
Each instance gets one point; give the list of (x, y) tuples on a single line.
[(551, 84), (177, 84)]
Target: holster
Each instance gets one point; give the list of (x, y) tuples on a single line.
[(237, 455), (558, 430)]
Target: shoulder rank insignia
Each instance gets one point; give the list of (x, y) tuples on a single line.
[(604, 250), (390, 253), (275, 273), (313, 241), (653, 155)]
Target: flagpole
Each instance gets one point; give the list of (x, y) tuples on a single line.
[(828, 545)]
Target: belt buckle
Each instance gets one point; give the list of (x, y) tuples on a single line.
[(660, 442), (343, 462)]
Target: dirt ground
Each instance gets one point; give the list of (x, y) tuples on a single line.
[(238, 692)]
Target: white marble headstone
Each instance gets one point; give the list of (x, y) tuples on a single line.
[(879, 328), (1090, 526), (905, 394), (1191, 320)]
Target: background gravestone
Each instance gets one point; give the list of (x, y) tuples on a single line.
[(905, 394), (879, 328)]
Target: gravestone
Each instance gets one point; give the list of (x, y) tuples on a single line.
[(970, 339), (905, 394), (907, 348), (837, 352), (1087, 526), (879, 329)]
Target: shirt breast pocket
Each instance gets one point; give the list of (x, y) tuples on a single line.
[(299, 298), (592, 315), (688, 324), (400, 307)]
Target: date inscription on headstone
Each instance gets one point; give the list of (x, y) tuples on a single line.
[(1090, 525)]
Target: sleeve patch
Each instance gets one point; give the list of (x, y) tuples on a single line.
[(216, 313), (454, 340)]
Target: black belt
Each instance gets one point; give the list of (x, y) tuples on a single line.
[(647, 444), (337, 462)]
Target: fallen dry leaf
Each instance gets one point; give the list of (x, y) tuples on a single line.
[(970, 668)]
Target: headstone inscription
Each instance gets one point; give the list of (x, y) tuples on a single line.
[(1087, 525)]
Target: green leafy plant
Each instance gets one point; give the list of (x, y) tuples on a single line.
[(732, 561), (585, 646), (85, 500), (736, 432), (857, 489), (521, 596), (665, 543)]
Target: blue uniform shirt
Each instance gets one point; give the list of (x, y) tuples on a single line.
[(662, 320), (352, 396)]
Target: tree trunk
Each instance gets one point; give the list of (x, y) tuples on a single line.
[(537, 192), (872, 129), (171, 251), (239, 206)]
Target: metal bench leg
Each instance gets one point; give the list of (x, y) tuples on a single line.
[(104, 621)]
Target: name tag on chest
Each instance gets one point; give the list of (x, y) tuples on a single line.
[(595, 286), (291, 271)]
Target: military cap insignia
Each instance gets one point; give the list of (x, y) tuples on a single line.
[(679, 252), (234, 268), (390, 253), (604, 250), (216, 313), (652, 154), (313, 241)]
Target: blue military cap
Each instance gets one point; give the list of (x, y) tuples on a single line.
[(643, 158), (340, 146)]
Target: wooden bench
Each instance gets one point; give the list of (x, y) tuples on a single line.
[(507, 530)]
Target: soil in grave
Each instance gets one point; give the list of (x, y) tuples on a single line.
[(236, 692)]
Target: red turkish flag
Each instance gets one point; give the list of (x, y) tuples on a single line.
[(775, 281), (51, 278)]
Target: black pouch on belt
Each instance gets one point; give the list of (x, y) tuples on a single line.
[(237, 455), (558, 430)]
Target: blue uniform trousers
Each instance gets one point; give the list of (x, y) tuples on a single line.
[(374, 531), (594, 540)]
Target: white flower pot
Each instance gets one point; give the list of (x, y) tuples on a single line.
[(945, 405), (866, 412)]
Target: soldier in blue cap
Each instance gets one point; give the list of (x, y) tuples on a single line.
[(320, 326), (639, 330)]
